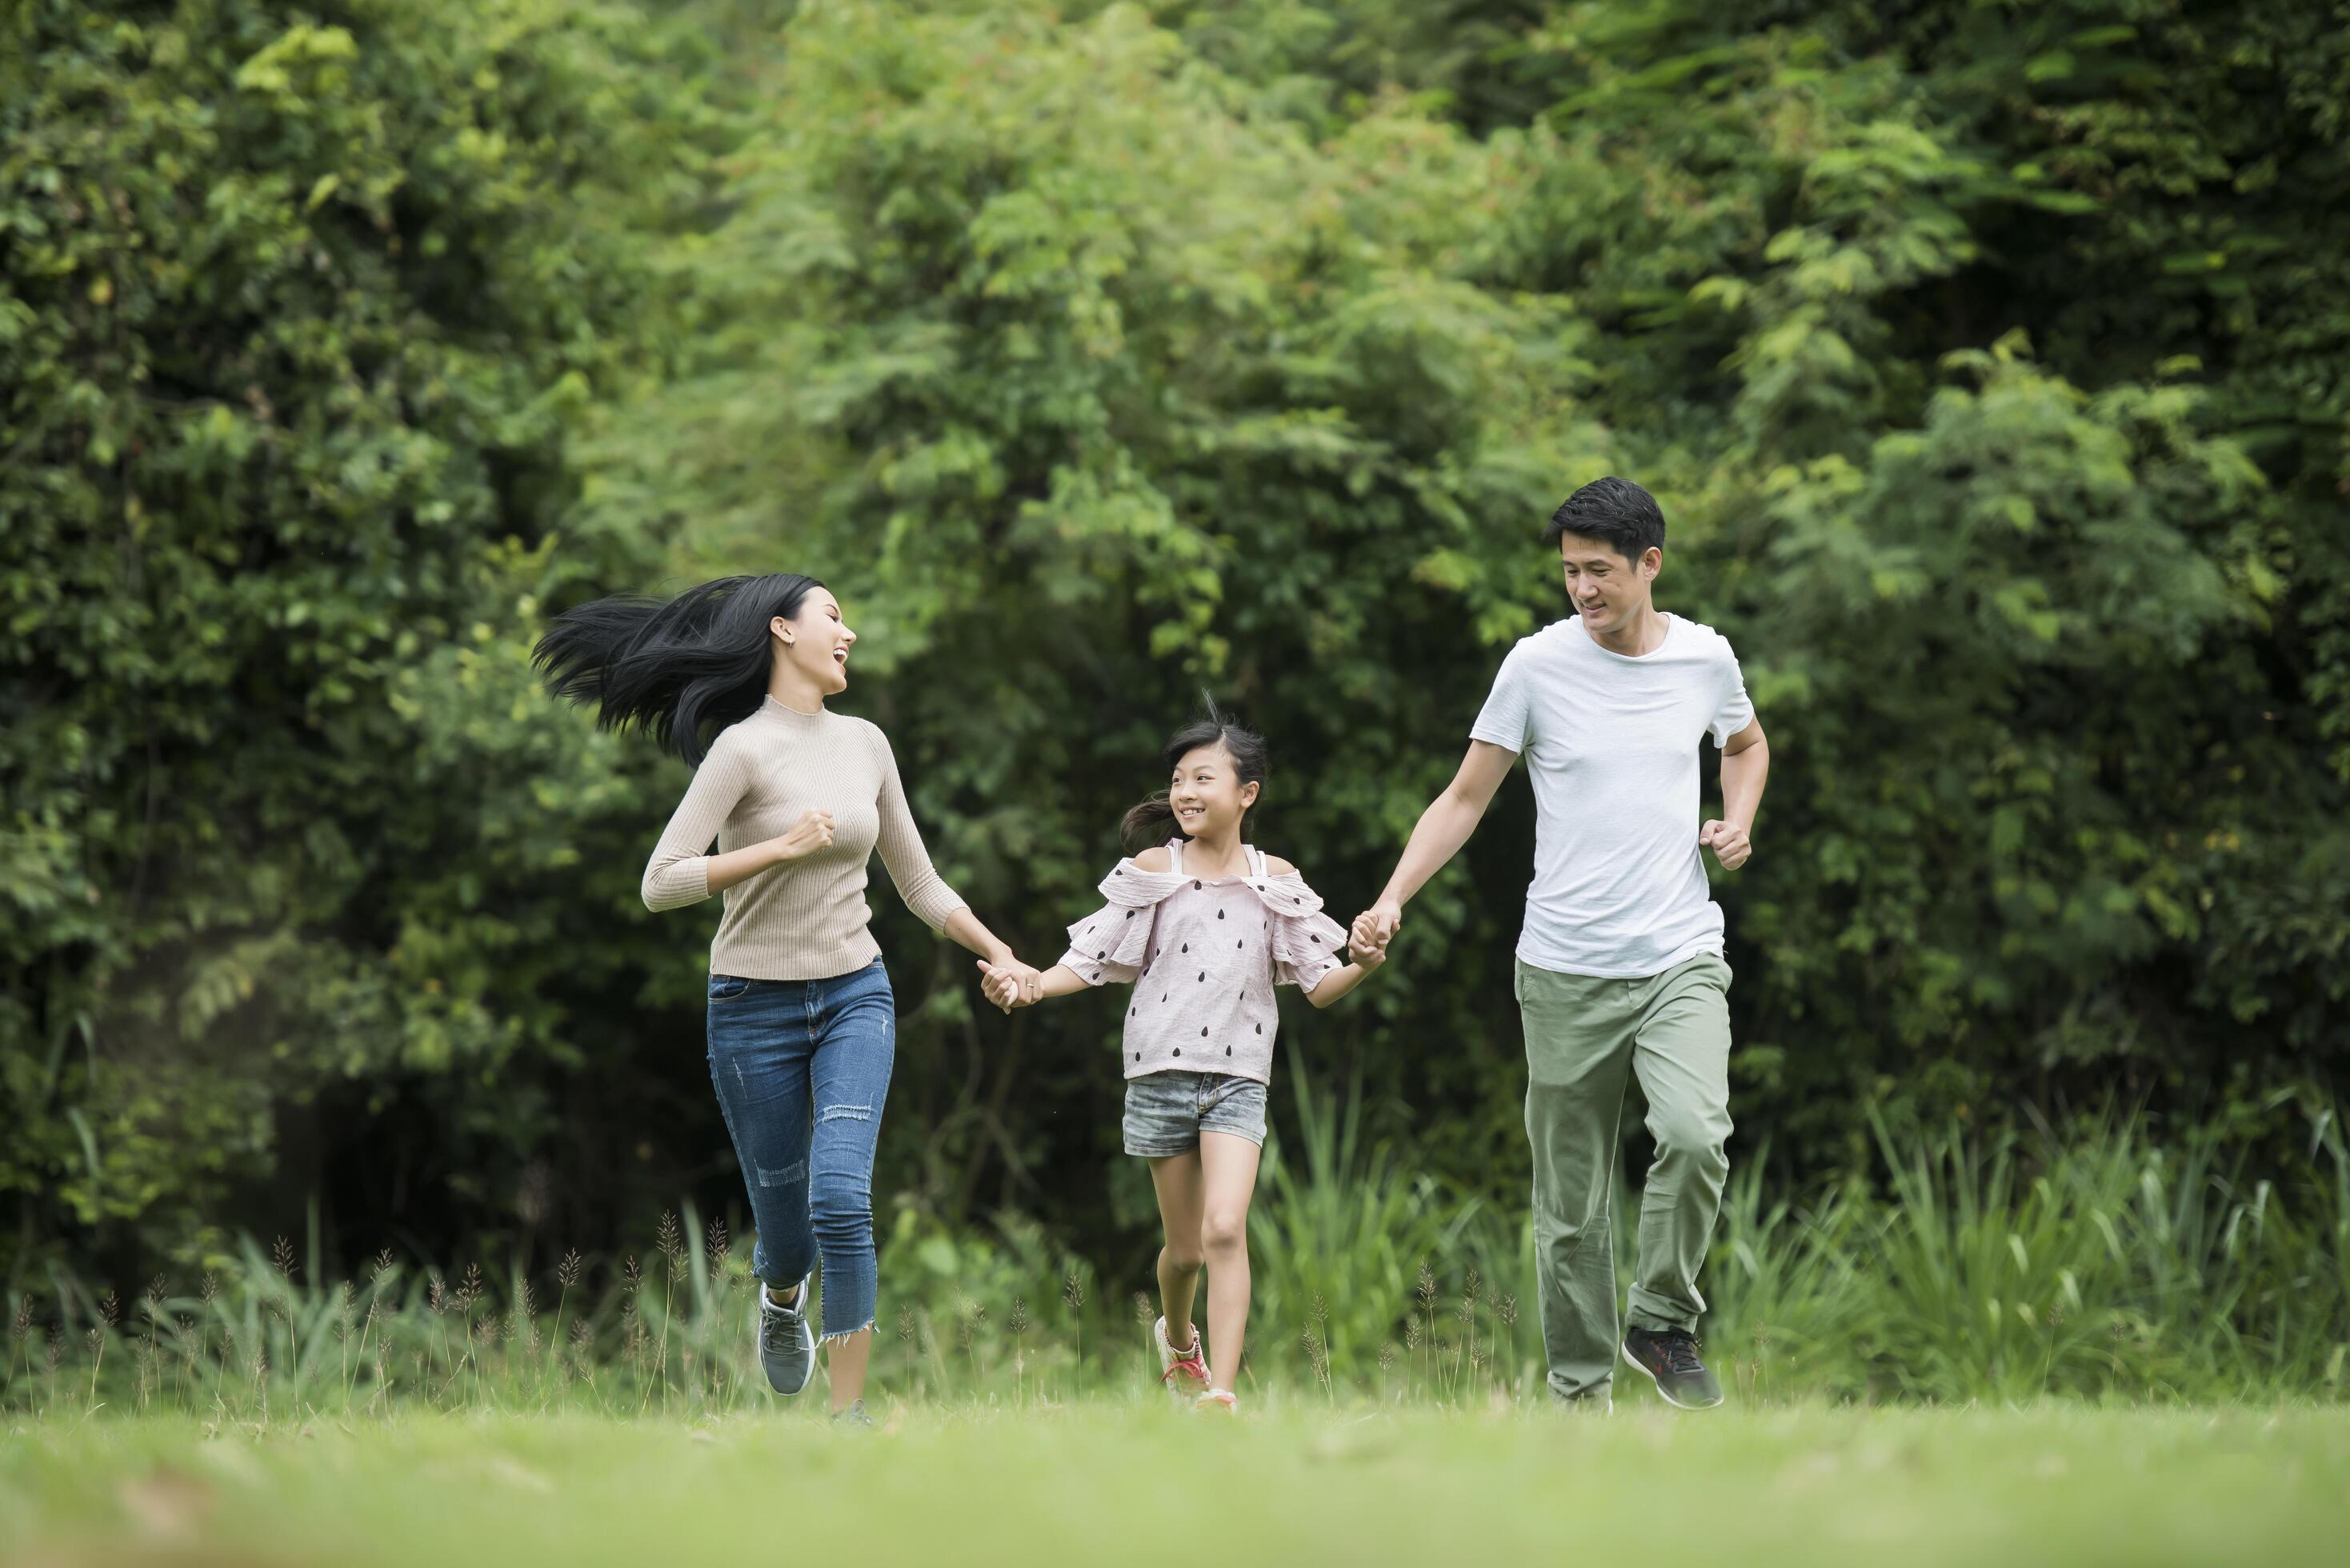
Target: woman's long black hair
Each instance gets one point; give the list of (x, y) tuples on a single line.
[(1146, 825), (677, 667)]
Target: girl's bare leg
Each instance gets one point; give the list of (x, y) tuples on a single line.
[(1227, 1182), (1176, 1180), (844, 1367)]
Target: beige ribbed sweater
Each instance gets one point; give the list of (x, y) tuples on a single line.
[(805, 918)]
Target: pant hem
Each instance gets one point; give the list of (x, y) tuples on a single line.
[(831, 1334), (1657, 1322)]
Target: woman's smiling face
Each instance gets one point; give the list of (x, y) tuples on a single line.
[(816, 640), (1206, 794)]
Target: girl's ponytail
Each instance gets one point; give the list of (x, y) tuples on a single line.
[(678, 667), (1146, 824)]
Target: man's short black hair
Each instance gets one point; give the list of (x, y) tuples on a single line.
[(1616, 512)]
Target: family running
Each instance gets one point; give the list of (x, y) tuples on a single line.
[(1620, 968)]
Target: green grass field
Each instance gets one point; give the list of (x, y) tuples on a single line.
[(1127, 1483)]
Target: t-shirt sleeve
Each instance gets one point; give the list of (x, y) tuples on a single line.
[(1733, 711), (1503, 719)]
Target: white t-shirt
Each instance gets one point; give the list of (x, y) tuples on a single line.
[(1611, 743)]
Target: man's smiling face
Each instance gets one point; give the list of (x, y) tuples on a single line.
[(1609, 591)]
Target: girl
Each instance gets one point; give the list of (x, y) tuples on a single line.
[(1204, 925), (802, 1023)]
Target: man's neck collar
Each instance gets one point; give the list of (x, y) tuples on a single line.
[(1637, 640)]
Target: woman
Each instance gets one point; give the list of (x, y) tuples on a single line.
[(802, 1023)]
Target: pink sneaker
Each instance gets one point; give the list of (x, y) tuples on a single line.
[(1182, 1371)]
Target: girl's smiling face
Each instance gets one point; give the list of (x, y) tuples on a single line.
[(1207, 792)]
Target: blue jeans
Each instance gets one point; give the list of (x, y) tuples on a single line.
[(801, 1067)]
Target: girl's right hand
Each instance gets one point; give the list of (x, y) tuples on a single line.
[(813, 832)]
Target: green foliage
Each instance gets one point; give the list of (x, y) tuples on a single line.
[(1989, 360), (296, 316), (2089, 1264)]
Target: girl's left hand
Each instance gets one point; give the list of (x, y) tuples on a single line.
[(1370, 956)]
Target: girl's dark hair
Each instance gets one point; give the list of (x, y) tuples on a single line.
[(673, 667), (1146, 826)]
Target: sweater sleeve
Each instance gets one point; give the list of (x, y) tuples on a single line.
[(679, 872), (909, 864)]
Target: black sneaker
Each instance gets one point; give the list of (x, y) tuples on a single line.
[(787, 1349), (1670, 1361)]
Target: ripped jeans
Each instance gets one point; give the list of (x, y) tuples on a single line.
[(801, 1067)]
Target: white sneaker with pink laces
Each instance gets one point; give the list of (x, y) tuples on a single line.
[(1180, 1371)]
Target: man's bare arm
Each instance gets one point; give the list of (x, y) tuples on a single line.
[(1438, 837), (1745, 768)]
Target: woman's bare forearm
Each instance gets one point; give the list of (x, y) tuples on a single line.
[(971, 932), (724, 871)]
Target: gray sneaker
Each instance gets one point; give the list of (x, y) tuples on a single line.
[(854, 1415), (1670, 1361), (786, 1348)]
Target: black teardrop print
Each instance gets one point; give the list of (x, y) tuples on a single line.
[(1241, 943), (1228, 1050), (1138, 1055), (1220, 914), (1316, 940), (1129, 914), (1178, 1052), (1260, 1029), (1187, 947), (1105, 953), (1163, 996), (1204, 1034), (1195, 887), (1204, 977)]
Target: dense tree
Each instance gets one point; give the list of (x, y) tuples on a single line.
[(1989, 362), (295, 317)]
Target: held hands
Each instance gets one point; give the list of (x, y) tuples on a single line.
[(1367, 942), (1010, 984), (1729, 843), (811, 832)]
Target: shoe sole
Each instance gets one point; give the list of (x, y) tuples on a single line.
[(1634, 1362), (1184, 1386)]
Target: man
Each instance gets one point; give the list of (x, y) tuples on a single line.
[(1619, 963)]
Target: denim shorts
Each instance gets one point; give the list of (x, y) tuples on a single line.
[(1167, 1112)]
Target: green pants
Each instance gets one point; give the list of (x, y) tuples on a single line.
[(1581, 1035)]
